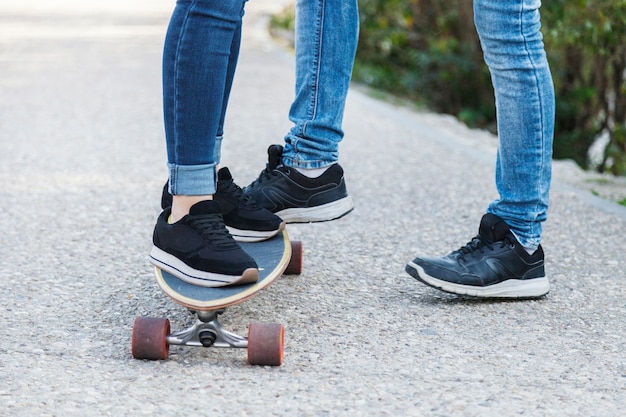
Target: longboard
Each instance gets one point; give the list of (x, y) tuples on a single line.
[(151, 336)]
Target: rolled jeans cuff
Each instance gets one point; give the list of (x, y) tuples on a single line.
[(192, 179)]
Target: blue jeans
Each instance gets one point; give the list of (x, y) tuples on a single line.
[(199, 60), (326, 39), (510, 36)]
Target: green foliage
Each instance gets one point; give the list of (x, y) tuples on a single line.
[(285, 20), (428, 51), (586, 43)]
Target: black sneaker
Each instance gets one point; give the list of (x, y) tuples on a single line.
[(295, 197), (493, 264), (245, 220), (199, 250)]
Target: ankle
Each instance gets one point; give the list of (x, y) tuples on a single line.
[(312, 172), (181, 204)]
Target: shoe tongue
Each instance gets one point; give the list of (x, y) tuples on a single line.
[(224, 174), (492, 228), (205, 207), (275, 153)]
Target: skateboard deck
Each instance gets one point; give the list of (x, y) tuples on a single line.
[(151, 337), (272, 257)]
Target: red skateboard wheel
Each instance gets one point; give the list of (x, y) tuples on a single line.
[(149, 340), (266, 343), (295, 263)]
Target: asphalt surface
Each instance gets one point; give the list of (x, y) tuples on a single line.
[(81, 170)]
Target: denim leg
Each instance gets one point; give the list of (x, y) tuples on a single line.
[(198, 62), (230, 75), (513, 47), (326, 40)]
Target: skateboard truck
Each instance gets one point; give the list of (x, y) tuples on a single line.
[(152, 339), (207, 331)]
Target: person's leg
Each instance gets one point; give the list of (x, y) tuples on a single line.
[(326, 41), (230, 76), (190, 238), (512, 43), (196, 59), (303, 181), (199, 69), (506, 259)]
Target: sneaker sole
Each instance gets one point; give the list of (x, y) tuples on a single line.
[(323, 213), (180, 270), (253, 235), (512, 288)]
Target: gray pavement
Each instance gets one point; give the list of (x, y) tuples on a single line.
[(81, 169)]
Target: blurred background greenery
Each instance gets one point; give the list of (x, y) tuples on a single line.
[(427, 51)]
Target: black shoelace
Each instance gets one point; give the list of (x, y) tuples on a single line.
[(233, 190), (266, 174), (211, 228), (477, 244)]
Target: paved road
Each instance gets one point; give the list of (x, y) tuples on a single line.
[(81, 173)]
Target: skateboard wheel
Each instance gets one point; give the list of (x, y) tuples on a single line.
[(149, 340), (266, 344), (295, 263)]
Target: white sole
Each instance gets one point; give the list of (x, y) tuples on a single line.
[(512, 288), (180, 270), (323, 213), (253, 235)]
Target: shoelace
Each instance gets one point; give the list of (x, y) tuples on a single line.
[(266, 174), (274, 154), (477, 244), (211, 228), (236, 192)]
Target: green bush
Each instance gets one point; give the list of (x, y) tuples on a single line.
[(586, 43), (428, 51)]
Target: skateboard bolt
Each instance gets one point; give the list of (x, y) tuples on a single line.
[(207, 338)]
